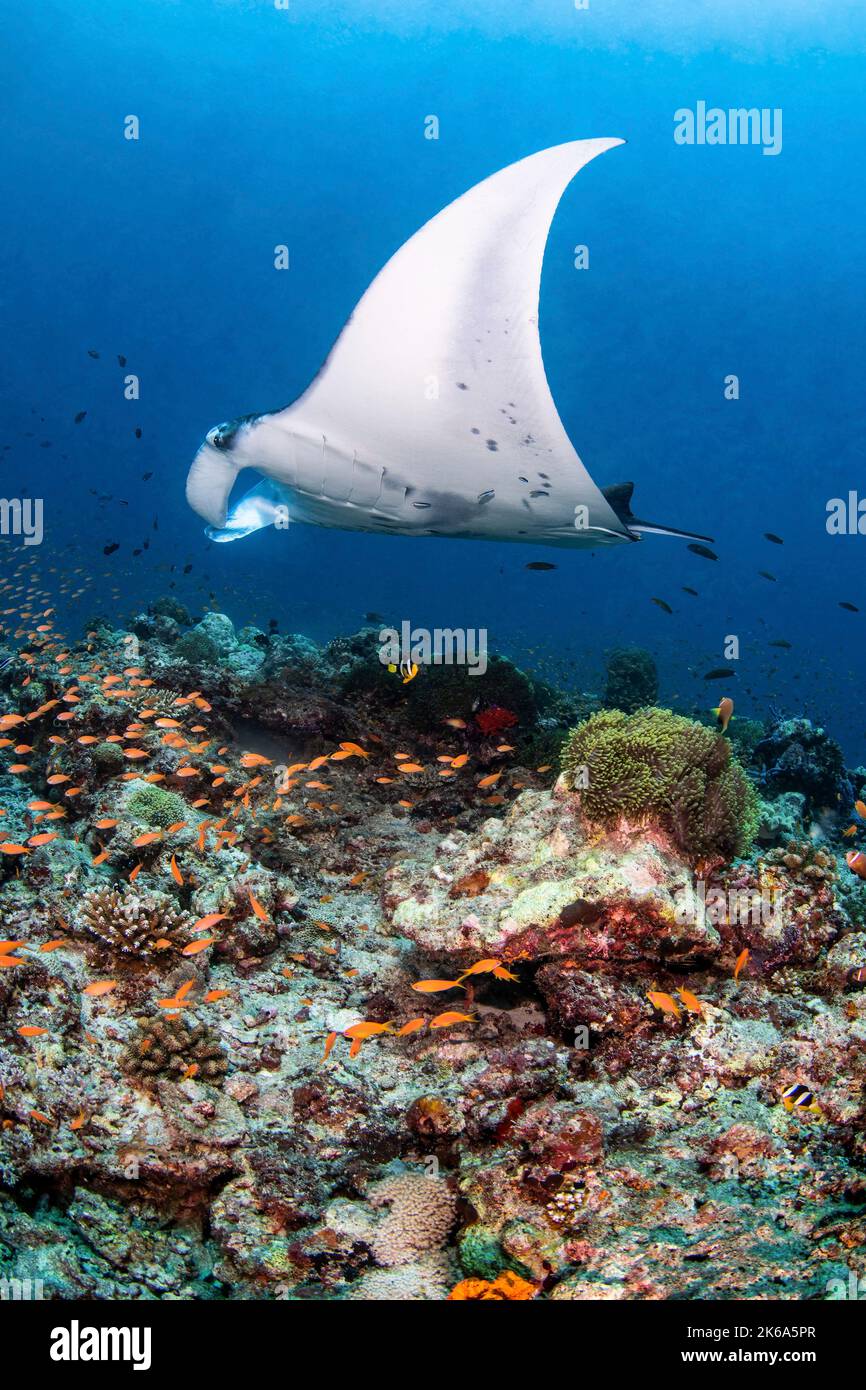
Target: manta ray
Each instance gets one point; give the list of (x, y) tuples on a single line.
[(432, 415)]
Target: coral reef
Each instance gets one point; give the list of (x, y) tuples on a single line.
[(796, 756), (319, 986), (632, 680)]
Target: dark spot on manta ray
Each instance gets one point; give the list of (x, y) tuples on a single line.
[(474, 430), (491, 444), (461, 386), (539, 492), (486, 496)]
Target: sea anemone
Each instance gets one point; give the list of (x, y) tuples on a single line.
[(654, 765)]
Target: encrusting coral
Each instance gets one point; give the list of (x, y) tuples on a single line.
[(656, 765), (506, 1286), (167, 1048)]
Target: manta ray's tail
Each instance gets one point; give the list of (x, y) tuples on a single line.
[(619, 496)]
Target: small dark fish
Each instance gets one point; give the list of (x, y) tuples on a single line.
[(777, 540), (693, 592), (91, 352), (110, 549), (781, 643), (849, 607), (146, 477), (580, 913), (661, 604), (80, 416), (370, 618), (121, 359), (703, 550), (138, 433), (719, 673), (540, 565), (137, 552), (764, 575), (187, 569)]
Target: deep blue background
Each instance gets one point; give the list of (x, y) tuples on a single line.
[(261, 126)]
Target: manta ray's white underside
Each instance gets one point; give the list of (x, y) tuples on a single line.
[(432, 415)]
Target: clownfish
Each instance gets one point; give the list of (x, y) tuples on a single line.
[(856, 861)]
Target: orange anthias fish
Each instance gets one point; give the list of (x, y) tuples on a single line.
[(482, 967), (411, 1027), (257, 908), (860, 808), (204, 923), (195, 946), (445, 1020), (742, 959), (665, 1002), (691, 1001), (435, 986), (329, 1043), (359, 1031)]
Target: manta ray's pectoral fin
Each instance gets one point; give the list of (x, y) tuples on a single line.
[(619, 496), (264, 505)]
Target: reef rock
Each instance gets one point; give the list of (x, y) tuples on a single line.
[(537, 883)]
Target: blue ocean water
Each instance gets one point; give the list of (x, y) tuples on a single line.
[(262, 125)]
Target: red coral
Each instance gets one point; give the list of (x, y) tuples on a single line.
[(494, 719)]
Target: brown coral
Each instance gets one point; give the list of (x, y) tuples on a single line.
[(127, 923), (422, 1211), (168, 1047)]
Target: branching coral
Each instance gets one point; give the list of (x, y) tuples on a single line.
[(127, 923), (655, 765), (169, 1047)]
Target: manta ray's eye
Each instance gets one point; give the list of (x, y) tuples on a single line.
[(221, 436)]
